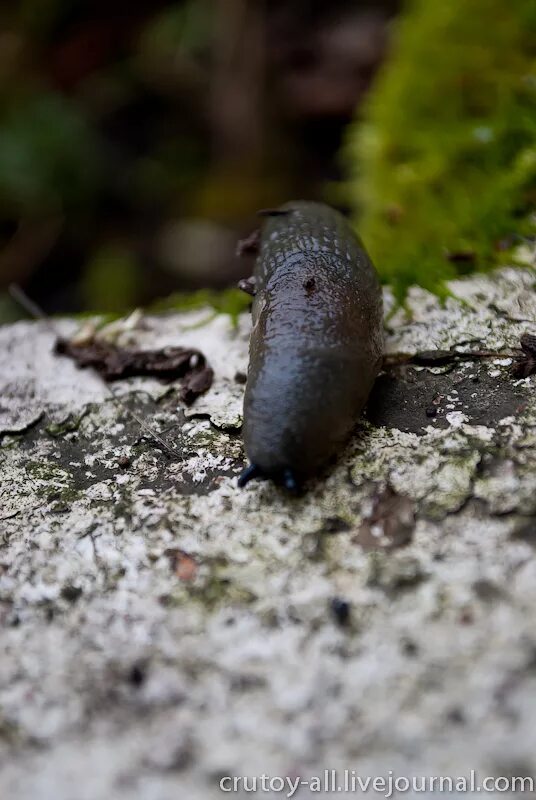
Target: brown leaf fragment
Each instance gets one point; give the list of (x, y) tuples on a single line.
[(167, 364), (390, 524), (195, 383), (525, 362), (340, 609), (182, 564), (528, 343)]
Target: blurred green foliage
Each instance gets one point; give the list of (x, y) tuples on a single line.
[(444, 163), (48, 155), (111, 279), (180, 28), (122, 122), (103, 139), (227, 301)]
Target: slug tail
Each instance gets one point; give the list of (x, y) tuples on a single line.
[(250, 472)]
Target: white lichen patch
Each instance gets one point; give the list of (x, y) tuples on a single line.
[(162, 628), (492, 314)]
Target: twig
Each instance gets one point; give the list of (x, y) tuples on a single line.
[(438, 358), (523, 357)]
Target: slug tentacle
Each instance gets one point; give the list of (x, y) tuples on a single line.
[(289, 481), (250, 472)]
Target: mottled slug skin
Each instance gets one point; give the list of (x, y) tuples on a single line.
[(316, 344)]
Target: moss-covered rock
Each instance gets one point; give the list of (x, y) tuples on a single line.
[(444, 163)]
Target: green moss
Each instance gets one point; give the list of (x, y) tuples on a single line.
[(69, 425), (47, 471), (214, 589), (219, 590), (52, 483), (444, 162), (228, 301)]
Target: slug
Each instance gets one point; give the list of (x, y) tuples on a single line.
[(316, 344)]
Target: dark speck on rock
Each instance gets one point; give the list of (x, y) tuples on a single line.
[(240, 377), (136, 675), (71, 593), (334, 525), (409, 647), (487, 590), (123, 462), (466, 617), (456, 716), (341, 610)]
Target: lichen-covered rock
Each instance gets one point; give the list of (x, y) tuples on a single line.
[(162, 629)]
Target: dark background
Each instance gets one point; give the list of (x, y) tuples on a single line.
[(137, 139)]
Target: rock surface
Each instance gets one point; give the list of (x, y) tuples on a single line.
[(162, 629)]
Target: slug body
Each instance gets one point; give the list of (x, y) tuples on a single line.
[(316, 343)]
